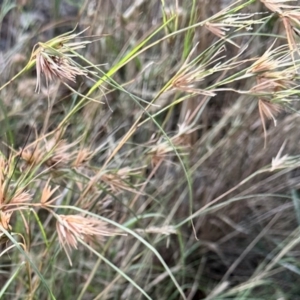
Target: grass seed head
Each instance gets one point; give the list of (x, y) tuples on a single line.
[(278, 5), (56, 67), (5, 219), (47, 193), (83, 156), (54, 60), (71, 228), (267, 110), (20, 197)]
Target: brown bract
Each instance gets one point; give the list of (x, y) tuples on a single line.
[(82, 156), (290, 16), (268, 110), (278, 5), (47, 193), (5, 219)]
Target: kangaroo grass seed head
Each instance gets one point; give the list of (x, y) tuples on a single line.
[(32, 155), (60, 154), (47, 193), (54, 153), (72, 228), (83, 156), (55, 67), (20, 197), (278, 5), (268, 110), (54, 60), (5, 219), (290, 16)]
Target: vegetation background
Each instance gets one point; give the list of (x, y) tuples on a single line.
[(149, 149)]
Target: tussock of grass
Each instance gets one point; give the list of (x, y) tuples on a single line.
[(149, 150)]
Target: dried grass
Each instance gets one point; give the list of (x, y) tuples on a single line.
[(183, 138)]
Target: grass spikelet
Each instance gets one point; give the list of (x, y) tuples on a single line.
[(54, 60), (267, 110), (70, 228)]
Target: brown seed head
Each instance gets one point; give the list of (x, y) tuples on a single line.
[(71, 228), (55, 67)]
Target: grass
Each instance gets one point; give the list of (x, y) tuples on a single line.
[(149, 150)]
